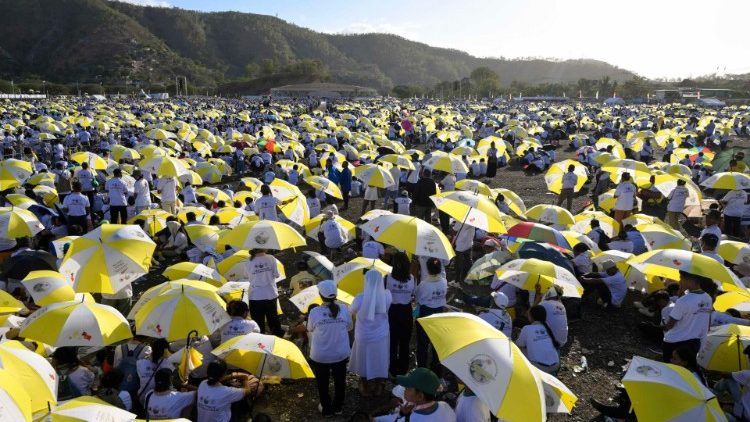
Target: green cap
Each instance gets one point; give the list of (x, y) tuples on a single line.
[(421, 379)]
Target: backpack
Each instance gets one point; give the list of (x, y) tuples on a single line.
[(66, 390), (129, 368), (603, 239), (111, 396)]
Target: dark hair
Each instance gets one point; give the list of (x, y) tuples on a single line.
[(237, 308), (401, 267), (661, 295), (162, 380), (66, 355), (710, 240), (302, 266), (434, 266), (112, 379), (215, 371), (733, 312), (158, 348), (580, 248), (254, 252), (265, 190), (538, 313)]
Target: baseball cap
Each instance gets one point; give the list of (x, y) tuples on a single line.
[(327, 289), (607, 264), (421, 379)]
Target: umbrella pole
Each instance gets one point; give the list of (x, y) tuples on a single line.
[(193, 334), (260, 377)]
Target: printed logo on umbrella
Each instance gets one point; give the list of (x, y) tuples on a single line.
[(648, 371), (483, 369)]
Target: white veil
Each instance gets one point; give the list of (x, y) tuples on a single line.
[(373, 297)]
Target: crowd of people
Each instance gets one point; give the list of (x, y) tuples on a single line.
[(92, 165)]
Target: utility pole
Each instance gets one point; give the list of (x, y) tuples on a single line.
[(176, 86)]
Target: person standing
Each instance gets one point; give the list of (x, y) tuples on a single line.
[(625, 198), (262, 271), (345, 183), (676, 204), (117, 191), (423, 189), (142, 193), (402, 286), (431, 299), (690, 317), (463, 243), (734, 205), (492, 161), (168, 191), (77, 208), (569, 181), (329, 325), (371, 349)]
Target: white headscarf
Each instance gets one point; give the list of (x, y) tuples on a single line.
[(373, 297)]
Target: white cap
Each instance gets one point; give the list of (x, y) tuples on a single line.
[(501, 300), (327, 289)]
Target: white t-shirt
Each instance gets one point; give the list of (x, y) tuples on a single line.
[(464, 237), (735, 203), (569, 180), (499, 319), (85, 177), (442, 413), (168, 189), (372, 249), (403, 205), (617, 286), (169, 406), (449, 183), (215, 402), (238, 326), (117, 190), (625, 194), (470, 409), (262, 272), (715, 230), (582, 262), (329, 336), (76, 203), (401, 293), (432, 292), (314, 205), (265, 207), (536, 344), (692, 313), (142, 193), (334, 233), (188, 195), (557, 320), (743, 378), (677, 199)]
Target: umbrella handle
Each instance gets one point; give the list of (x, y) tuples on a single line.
[(260, 377)]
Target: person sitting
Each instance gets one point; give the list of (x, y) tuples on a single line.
[(709, 242), (538, 343), (421, 405), (582, 259), (610, 284), (497, 316), (166, 403)]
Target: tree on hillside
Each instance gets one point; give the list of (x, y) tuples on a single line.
[(252, 70), (485, 81)]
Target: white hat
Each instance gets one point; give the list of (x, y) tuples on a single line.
[(327, 289), (501, 300), (551, 293), (607, 264)]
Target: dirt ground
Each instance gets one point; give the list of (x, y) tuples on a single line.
[(607, 338)]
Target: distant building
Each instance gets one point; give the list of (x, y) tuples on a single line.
[(322, 90), (691, 94)]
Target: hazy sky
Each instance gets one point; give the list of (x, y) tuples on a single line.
[(654, 38)]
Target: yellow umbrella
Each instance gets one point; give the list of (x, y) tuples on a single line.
[(736, 299), (208, 172), (648, 382), (95, 162), (13, 173), (203, 236), (263, 235), (488, 363), (232, 216), (350, 277), (472, 209), (76, 323), (194, 271), (267, 355), (160, 165), (324, 184), (234, 268), (550, 214), (108, 258), (48, 194), (88, 408), (554, 175), (155, 219), (313, 227), (311, 296), (214, 194), (31, 372), (14, 401), (18, 222), (409, 234), (47, 287), (475, 186), (722, 349), (514, 202)]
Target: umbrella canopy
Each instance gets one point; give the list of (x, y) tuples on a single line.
[(76, 323), (234, 267), (194, 271), (409, 234), (294, 205), (203, 236), (25, 262), (313, 227), (526, 273), (18, 222), (471, 185), (544, 252), (30, 371), (374, 175), (648, 382), (722, 350), (662, 237), (311, 296), (669, 262), (472, 209), (448, 163), (556, 171), (486, 266), (557, 396), (94, 161), (160, 165), (399, 160), (174, 313), (265, 355), (324, 184), (727, 181), (166, 286), (539, 233), (108, 258), (734, 252), (350, 277), (736, 299), (13, 173), (14, 400), (155, 220), (263, 235), (47, 287), (550, 214), (88, 408), (488, 363)]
